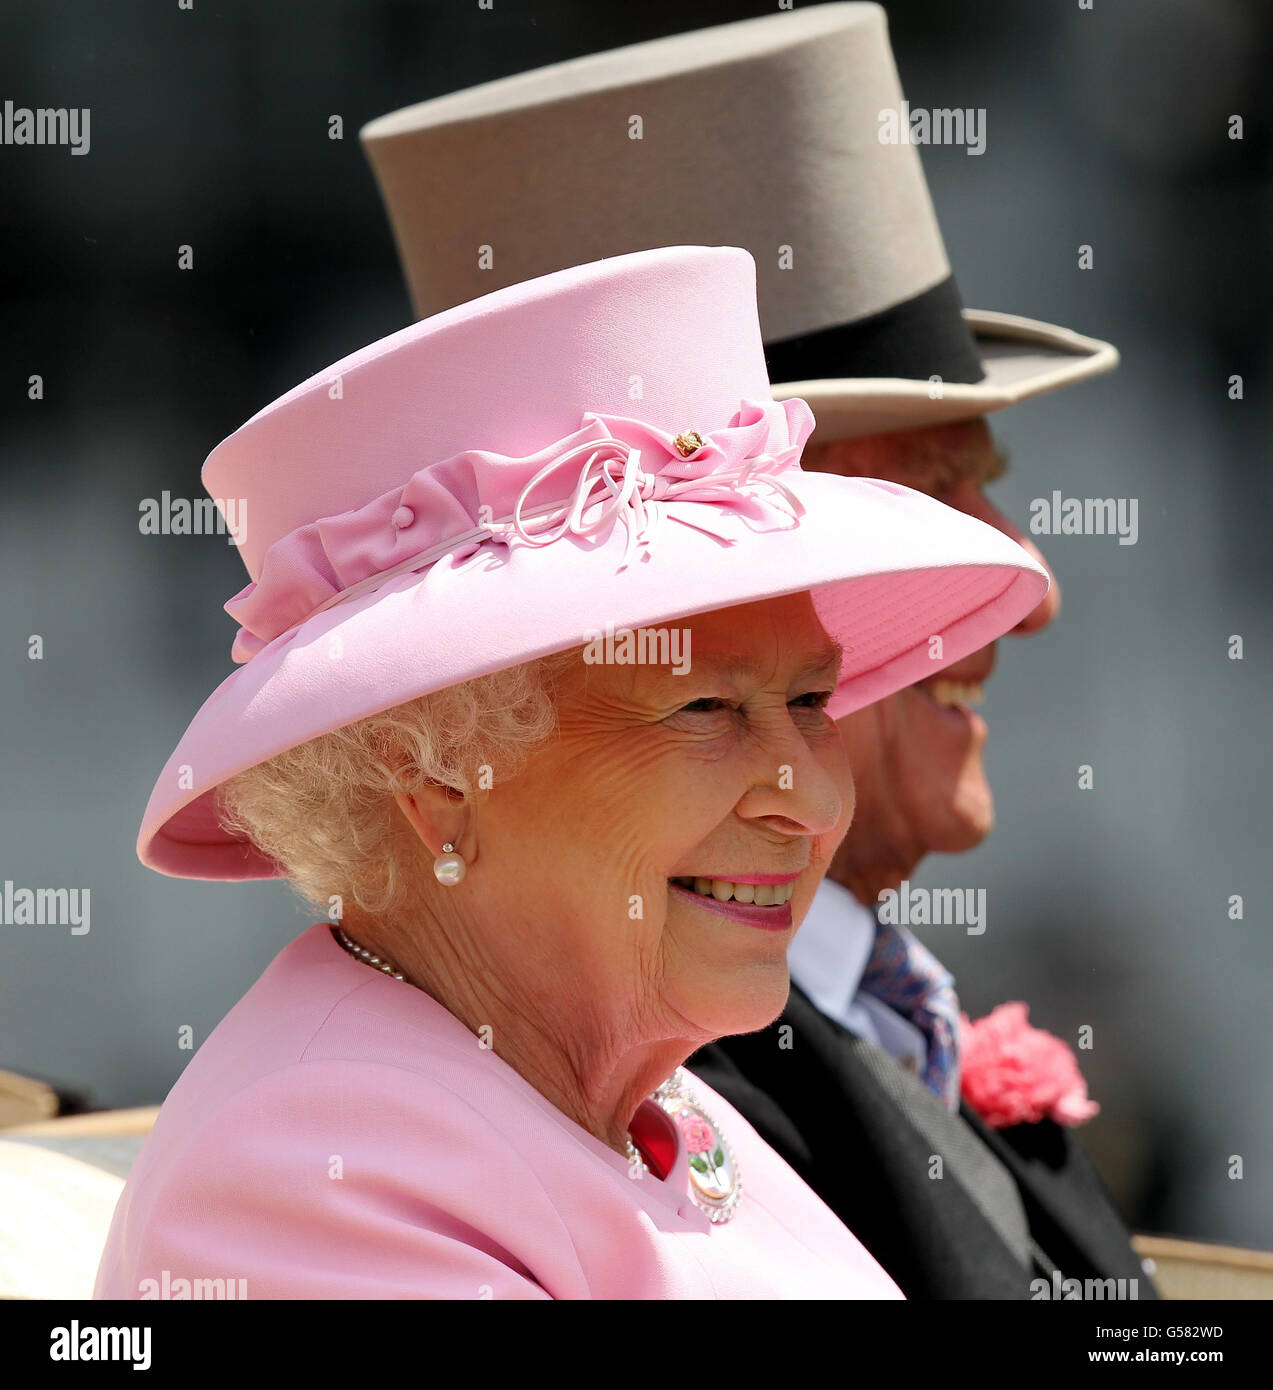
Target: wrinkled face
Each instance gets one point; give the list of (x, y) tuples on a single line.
[(656, 855), (917, 756)]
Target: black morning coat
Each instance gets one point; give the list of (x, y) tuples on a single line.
[(949, 1207)]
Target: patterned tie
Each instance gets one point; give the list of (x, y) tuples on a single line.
[(907, 977)]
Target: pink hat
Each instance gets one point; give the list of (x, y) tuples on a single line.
[(597, 448)]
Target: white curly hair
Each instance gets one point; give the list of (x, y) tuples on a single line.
[(325, 811)]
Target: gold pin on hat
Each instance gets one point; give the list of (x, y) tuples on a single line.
[(688, 442)]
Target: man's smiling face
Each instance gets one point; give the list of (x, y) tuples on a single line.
[(917, 755)]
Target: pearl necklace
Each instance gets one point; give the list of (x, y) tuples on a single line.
[(386, 967), (715, 1186)]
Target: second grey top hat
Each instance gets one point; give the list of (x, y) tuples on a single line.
[(767, 134)]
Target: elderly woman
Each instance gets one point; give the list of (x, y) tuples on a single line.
[(540, 657)]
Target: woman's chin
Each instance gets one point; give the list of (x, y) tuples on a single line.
[(751, 1001)]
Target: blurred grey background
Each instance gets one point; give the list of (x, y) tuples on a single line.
[(1108, 127)]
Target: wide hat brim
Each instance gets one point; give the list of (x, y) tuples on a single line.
[(1020, 358), (890, 570)]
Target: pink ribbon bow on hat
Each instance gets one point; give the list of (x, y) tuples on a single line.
[(451, 509)]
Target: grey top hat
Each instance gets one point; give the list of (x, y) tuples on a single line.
[(770, 134)]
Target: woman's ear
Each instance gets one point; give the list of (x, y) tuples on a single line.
[(439, 815)]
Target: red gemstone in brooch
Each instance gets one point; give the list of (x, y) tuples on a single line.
[(715, 1183)]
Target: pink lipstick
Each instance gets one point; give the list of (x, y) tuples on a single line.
[(776, 918)]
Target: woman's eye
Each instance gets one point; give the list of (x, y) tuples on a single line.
[(707, 705)]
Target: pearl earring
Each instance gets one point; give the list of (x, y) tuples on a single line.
[(449, 868)]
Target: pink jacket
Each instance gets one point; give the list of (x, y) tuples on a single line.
[(341, 1135)]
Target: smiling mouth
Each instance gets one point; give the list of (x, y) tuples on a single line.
[(768, 908), (724, 890)]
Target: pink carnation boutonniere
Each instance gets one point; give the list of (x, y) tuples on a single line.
[(1013, 1074)]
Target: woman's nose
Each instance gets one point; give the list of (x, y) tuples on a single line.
[(799, 793)]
